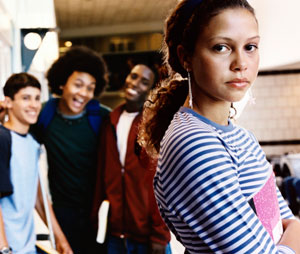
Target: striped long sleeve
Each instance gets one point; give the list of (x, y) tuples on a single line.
[(207, 173)]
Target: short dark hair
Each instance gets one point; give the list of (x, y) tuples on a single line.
[(18, 81), (78, 58)]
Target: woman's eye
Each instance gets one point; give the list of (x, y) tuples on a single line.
[(251, 47), (220, 48)]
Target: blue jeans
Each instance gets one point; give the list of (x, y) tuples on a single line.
[(116, 245)]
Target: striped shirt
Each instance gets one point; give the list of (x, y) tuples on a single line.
[(206, 175)]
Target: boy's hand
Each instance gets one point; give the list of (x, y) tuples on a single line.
[(63, 246), (2, 111)]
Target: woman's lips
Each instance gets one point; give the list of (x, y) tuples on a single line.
[(240, 83)]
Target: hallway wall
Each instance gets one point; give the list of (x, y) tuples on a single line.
[(275, 117)]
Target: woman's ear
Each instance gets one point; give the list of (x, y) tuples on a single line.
[(183, 57)]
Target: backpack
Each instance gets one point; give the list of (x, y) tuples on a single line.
[(95, 114)]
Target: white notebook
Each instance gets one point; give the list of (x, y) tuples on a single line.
[(45, 248), (102, 221)]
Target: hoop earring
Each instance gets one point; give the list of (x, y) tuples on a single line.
[(190, 90), (232, 111)]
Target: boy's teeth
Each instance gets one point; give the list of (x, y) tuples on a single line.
[(79, 100), (130, 90)]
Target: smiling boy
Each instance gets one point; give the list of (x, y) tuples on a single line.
[(68, 126), (19, 155), (125, 175)]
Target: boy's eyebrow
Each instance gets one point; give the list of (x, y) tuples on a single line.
[(79, 79), (143, 78), (31, 95)]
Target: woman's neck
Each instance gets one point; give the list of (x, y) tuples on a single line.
[(217, 112)]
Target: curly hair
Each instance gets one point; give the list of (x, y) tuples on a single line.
[(182, 27), (78, 58), (18, 81)]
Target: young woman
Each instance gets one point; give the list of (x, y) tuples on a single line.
[(214, 186)]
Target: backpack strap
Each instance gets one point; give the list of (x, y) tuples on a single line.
[(47, 113), (93, 114), (96, 113)]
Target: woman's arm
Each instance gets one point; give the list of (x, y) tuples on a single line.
[(291, 234), (62, 244)]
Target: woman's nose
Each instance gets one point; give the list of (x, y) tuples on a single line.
[(239, 62)]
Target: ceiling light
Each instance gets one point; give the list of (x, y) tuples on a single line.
[(68, 44), (32, 41)]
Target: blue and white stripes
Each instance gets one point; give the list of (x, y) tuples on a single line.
[(206, 175)]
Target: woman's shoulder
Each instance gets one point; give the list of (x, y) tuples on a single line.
[(185, 124), (186, 134)]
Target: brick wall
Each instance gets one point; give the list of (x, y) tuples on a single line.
[(275, 116)]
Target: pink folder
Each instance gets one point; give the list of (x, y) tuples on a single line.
[(267, 209)]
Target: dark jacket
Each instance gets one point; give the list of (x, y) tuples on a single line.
[(133, 210)]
